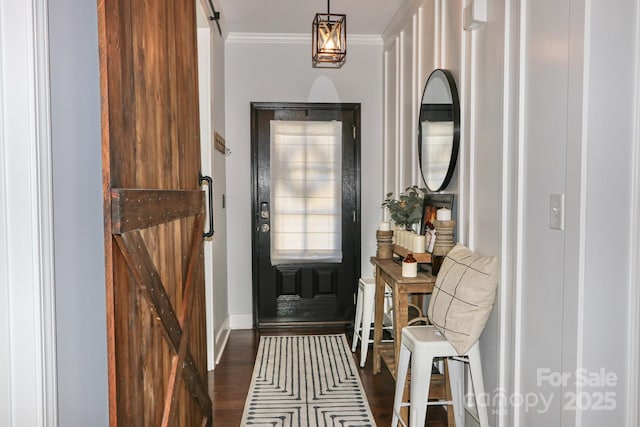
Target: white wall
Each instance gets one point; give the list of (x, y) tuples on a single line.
[(549, 93), (434, 28), (610, 125), (579, 119), (545, 129), (78, 218), (262, 68), (27, 303)]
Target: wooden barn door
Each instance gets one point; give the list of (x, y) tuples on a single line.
[(154, 214)]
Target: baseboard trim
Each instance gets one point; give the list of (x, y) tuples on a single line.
[(240, 321), (222, 337)]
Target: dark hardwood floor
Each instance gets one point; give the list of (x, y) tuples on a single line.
[(229, 382)]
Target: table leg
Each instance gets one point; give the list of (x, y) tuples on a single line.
[(400, 318), (378, 320), (451, 420)]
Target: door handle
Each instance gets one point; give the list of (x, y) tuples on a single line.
[(209, 182)]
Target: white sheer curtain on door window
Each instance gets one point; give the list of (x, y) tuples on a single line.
[(306, 192)]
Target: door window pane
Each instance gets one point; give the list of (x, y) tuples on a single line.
[(306, 192)]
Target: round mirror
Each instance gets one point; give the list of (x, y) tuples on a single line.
[(439, 130)]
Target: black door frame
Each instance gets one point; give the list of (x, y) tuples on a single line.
[(257, 106)]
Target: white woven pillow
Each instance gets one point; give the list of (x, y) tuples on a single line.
[(463, 296)]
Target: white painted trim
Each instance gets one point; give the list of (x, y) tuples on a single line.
[(206, 161), (385, 132), (396, 142), (443, 5), (520, 212), (415, 101), (437, 34), (509, 203), (471, 136), (26, 230), (463, 162), (582, 222), (293, 38), (6, 379), (45, 230), (222, 338), (240, 321), (420, 55), (633, 390), (400, 123), (400, 18)]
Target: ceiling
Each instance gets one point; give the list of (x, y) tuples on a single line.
[(367, 17)]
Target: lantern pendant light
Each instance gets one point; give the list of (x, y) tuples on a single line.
[(329, 39)]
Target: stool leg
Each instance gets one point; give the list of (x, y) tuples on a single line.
[(421, 365), (401, 377), (456, 369), (367, 309), (475, 366), (357, 325)]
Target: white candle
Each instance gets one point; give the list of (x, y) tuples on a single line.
[(443, 214), (408, 238), (397, 231), (418, 244), (402, 236), (384, 226)]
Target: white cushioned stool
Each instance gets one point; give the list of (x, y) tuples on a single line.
[(420, 345), (365, 304)]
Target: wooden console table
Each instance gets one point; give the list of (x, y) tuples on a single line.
[(390, 272)]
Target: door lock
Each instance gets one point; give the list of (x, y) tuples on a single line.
[(264, 210), (264, 228)]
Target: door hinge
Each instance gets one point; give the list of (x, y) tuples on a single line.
[(354, 216), (355, 132)]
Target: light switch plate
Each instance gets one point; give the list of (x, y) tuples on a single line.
[(556, 211)]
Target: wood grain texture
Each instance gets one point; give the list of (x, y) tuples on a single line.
[(150, 146), (134, 209)]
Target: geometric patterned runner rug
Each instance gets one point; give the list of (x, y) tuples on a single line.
[(306, 381)]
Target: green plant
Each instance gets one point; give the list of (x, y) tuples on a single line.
[(406, 210)]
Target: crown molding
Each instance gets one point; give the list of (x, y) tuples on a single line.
[(297, 38), (397, 22)]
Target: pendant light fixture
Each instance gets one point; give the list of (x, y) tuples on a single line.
[(329, 39)]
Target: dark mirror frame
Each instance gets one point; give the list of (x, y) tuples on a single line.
[(444, 112)]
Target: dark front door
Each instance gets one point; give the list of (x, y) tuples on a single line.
[(154, 214), (306, 212)]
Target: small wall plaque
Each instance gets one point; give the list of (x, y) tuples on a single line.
[(219, 143)]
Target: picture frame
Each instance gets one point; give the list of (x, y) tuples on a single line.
[(433, 202)]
